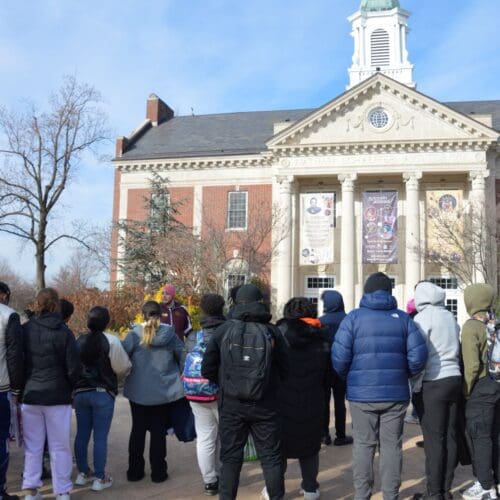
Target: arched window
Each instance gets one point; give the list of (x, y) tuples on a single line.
[(380, 48)]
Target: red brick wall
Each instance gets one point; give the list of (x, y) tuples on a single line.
[(182, 198), (215, 213)]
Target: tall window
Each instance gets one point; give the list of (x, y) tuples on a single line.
[(237, 210), (315, 286), (380, 48)]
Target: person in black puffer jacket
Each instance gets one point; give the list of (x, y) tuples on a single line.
[(239, 417), (301, 396), (51, 372)]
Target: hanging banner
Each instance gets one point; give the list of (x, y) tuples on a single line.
[(444, 224), (317, 224), (380, 227)]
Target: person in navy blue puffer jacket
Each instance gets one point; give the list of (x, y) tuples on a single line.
[(333, 307), (377, 349)]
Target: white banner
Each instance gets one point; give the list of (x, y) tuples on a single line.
[(317, 224)]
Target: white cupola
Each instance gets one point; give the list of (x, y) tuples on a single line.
[(379, 29)]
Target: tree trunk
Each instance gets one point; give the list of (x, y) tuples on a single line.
[(40, 269), (40, 253)]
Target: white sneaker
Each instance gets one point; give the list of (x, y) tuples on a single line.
[(476, 492), (311, 495), (64, 496), (82, 479), (410, 419), (102, 484), (36, 496), (264, 495)]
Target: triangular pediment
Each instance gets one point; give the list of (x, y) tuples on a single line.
[(381, 110)]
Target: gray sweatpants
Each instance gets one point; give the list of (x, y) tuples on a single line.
[(377, 424)]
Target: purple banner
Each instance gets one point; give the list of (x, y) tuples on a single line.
[(380, 227)]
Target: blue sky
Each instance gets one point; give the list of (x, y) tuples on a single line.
[(219, 56)]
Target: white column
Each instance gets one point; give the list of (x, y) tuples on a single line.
[(413, 247), (477, 201), (282, 270), (347, 242), (197, 209)]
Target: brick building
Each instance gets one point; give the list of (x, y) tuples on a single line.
[(354, 181)]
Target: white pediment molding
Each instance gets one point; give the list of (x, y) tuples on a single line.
[(467, 130)]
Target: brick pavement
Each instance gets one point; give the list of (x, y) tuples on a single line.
[(185, 481)]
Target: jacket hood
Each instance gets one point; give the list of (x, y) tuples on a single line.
[(429, 294), (478, 298), (253, 311), (299, 333), (163, 336), (211, 321), (379, 299), (333, 302), (53, 321)]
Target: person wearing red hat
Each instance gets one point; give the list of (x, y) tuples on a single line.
[(174, 313)]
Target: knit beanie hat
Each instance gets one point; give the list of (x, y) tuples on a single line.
[(169, 289), (378, 281), (247, 294), (411, 308)]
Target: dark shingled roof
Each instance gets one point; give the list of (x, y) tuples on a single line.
[(240, 133), (220, 134), (478, 108)]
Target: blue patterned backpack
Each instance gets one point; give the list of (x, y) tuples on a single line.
[(197, 388)]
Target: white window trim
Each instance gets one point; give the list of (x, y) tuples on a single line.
[(246, 212)]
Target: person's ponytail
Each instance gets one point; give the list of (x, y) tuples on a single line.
[(152, 313), (97, 321)]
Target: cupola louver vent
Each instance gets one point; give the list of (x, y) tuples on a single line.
[(380, 48)]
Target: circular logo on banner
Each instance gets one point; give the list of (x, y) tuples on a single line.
[(447, 203)]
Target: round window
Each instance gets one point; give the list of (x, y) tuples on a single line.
[(378, 118)]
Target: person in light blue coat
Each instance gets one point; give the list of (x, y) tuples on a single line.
[(377, 349), (153, 383)]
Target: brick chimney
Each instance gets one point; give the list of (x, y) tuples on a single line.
[(121, 146), (157, 111)]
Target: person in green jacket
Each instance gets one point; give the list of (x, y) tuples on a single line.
[(482, 412)]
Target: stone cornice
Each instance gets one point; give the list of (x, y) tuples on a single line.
[(385, 147), (258, 160), (269, 158)]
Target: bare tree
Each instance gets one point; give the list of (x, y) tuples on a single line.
[(78, 273), (248, 252), (41, 150), (463, 243), (22, 290)]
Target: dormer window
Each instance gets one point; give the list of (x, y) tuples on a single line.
[(380, 50)]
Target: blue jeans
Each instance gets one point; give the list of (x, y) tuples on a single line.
[(94, 412), (4, 436)]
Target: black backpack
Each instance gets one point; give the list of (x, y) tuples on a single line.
[(246, 357)]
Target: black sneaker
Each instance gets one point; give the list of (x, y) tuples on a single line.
[(342, 441), (5, 496), (211, 489), (420, 444), (327, 440)]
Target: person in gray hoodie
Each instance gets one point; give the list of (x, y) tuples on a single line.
[(153, 383), (437, 390)]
